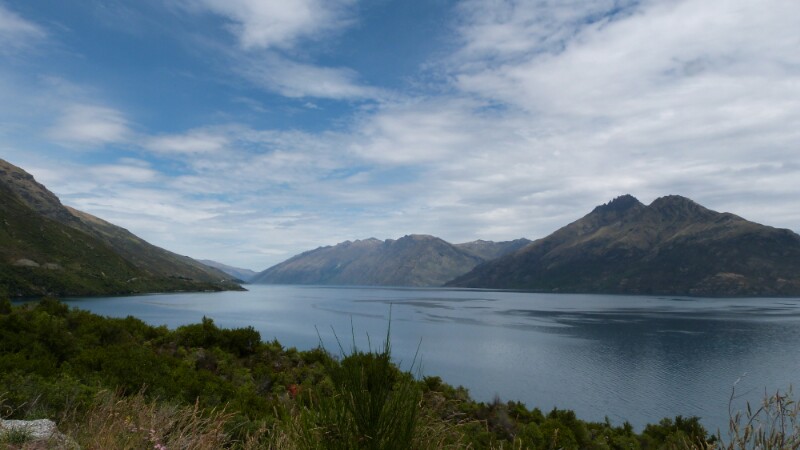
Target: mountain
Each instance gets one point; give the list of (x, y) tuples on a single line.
[(47, 248), (488, 250), (414, 260), (237, 272), (673, 246)]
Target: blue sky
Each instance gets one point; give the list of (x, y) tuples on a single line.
[(247, 131)]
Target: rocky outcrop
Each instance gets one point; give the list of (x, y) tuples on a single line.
[(42, 433)]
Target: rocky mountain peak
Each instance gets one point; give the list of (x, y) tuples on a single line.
[(674, 246), (32, 193), (619, 204), (676, 206)]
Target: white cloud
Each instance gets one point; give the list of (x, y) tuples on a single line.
[(649, 98), (16, 32), (428, 131), (268, 56), (663, 56), (87, 125), (294, 79), (499, 30), (275, 23), (192, 142), (123, 173), (550, 108)]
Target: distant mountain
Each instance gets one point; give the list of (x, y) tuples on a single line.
[(414, 260), (47, 248), (237, 272), (673, 246), (488, 250)]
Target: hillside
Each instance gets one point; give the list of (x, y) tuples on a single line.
[(488, 250), (237, 272), (414, 260), (672, 246), (46, 247)]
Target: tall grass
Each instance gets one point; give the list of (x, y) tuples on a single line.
[(772, 425), (373, 406)]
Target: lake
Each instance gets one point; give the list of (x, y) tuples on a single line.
[(631, 358)]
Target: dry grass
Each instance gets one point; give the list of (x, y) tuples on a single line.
[(134, 422), (127, 423), (773, 425)]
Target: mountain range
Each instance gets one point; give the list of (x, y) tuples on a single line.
[(673, 246), (413, 260), (47, 248)]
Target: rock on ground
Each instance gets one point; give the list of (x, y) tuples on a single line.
[(42, 431)]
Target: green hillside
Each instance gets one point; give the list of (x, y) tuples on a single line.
[(46, 248)]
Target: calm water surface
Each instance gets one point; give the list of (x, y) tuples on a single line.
[(626, 357)]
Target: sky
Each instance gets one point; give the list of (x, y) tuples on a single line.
[(247, 131)]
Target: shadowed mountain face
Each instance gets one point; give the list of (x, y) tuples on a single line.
[(75, 253), (415, 260), (673, 246)]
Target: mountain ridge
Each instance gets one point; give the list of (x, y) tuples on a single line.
[(672, 246), (412, 260)]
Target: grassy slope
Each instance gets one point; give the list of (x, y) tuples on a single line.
[(80, 264), (93, 256), (488, 250), (146, 256)]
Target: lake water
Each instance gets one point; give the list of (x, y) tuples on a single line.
[(626, 357)]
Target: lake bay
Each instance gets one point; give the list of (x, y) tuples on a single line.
[(631, 358)]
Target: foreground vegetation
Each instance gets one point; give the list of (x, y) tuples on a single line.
[(120, 383)]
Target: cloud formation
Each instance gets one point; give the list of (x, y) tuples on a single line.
[(260, 24), (89, 126), (647, 97), (192, 142), (16, 32), (268, 55), (538, 111), (298, 80)]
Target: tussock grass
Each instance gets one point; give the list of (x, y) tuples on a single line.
[(134, 422), (373, 406)]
